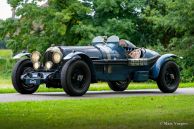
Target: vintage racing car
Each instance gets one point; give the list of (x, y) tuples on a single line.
[(74, 68)]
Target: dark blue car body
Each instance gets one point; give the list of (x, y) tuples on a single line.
[(110, 62), (107, 61)]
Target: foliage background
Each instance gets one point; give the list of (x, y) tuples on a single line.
[(163, 25)]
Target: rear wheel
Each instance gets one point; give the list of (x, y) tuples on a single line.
[(23, 66), (169, 77), (118, 85), (75, 77)]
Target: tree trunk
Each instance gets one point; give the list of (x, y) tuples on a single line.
[(13, 12)]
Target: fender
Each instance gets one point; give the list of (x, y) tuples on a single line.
[(22, 54), (83, 56), (157, 66), (72, 55)]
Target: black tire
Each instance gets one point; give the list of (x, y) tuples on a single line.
[(169, 77), (118, 85), (21, 67), (75, 77)]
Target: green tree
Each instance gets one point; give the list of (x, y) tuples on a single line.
[(118, 17), (173, 24), (181, 18), (70, 22), (60, 22)]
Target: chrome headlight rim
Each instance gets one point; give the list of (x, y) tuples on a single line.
[(35, 56), (57, 57), (36, 65), (48, 65)]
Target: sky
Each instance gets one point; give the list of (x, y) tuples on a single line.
[(5, 9)]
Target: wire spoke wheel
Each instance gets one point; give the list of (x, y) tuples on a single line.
[(118, 85), (27, 70), (78, 78), (169, 77), (75, 77), (22, 67)]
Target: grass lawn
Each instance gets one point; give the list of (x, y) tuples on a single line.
[(157, 112), (5, 53)]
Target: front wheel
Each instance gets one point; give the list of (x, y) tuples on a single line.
[(118, 85), (75, 77), (22, 67), (169, 77)]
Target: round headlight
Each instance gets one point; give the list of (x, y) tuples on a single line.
[(36, 65), (48, 65), (35, 57), (57, 57)]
